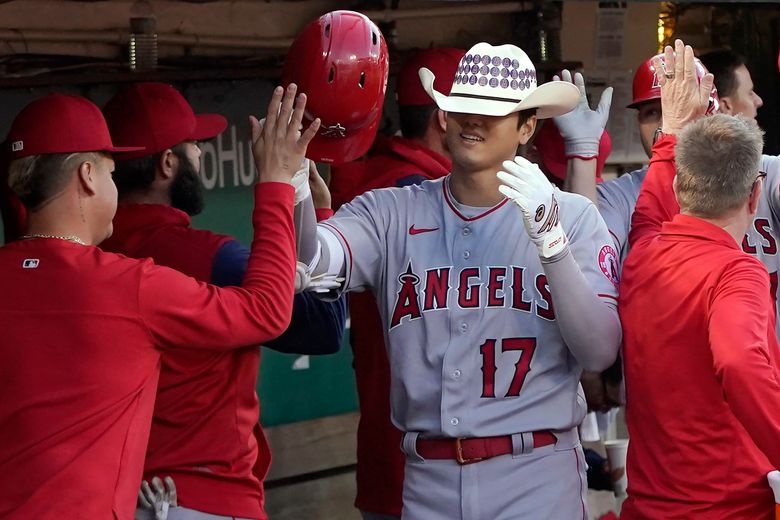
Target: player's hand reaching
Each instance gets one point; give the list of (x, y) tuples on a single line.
[(323, 283), (581, 128), (683, 98), (320, 193), (526, 185), (159, 497), (278, 146)]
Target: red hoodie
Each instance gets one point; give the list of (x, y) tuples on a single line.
[(392, 162)]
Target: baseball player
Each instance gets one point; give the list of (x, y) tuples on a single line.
[(733, 81), (217, 464), (617, 198), (83, 329), (393, 162), (490, 312)]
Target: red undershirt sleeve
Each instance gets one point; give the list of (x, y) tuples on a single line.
[(740, 324), (181, 312)]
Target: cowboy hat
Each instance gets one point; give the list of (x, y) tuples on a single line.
[(496, 81)]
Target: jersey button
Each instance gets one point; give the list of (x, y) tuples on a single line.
[(464, 326), (466, 254), (466, 231), (456, 374), (454, 421)]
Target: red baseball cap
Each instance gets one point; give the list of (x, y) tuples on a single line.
[(60, 123), (442, 61), (157, 116), (549, 144)]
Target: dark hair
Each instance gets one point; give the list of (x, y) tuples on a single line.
[(415, 119), (722, 64), (138, 174), (524, 115)]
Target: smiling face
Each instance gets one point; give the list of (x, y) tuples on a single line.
[(480, 143)]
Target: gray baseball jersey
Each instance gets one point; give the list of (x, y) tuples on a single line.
[(472, 337), (763, 235), (617, 200)]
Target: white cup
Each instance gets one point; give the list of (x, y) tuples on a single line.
[(616, 455)]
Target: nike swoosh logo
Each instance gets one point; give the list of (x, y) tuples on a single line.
[(417, 231)]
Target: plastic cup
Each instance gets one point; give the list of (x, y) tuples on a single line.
[(616, 455)]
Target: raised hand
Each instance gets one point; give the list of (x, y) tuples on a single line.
[(683, 98), (278, 146), (527, 186), (320, 193), (581, 128)]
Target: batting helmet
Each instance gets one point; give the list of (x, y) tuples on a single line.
[(646, 87), (340, 62)]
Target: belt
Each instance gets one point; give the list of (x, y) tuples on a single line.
[(469, 451)]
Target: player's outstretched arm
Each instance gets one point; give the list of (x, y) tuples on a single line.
[(684, 99), (181, 312), (589, 324), (581, 130)]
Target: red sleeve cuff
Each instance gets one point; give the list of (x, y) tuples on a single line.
[(663, 149), (323, 214), (282, 191)]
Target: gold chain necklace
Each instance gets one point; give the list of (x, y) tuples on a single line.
[(69, 238)]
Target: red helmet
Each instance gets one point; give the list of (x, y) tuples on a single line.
[(646, 87), (340, 62)]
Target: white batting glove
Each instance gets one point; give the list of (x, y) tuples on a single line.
[(526, 185), (159, 497), (322, 283), (581, 128), (300, 182)]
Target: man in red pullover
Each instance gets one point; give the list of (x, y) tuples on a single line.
[(218, 465), (702, 362), (393, 161), (83, 329)]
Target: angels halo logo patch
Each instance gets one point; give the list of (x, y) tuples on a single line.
[(608, 263)]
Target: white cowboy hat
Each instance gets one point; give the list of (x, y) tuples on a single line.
[(496, 81)]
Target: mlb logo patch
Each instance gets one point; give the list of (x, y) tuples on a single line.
[(17, 146), (30, 263)]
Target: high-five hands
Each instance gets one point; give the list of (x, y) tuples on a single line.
[(683, 98), (278, 145), (526, 185)]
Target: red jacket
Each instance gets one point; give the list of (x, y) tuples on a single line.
[(380, 463), (80, 358), (702, 365)]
